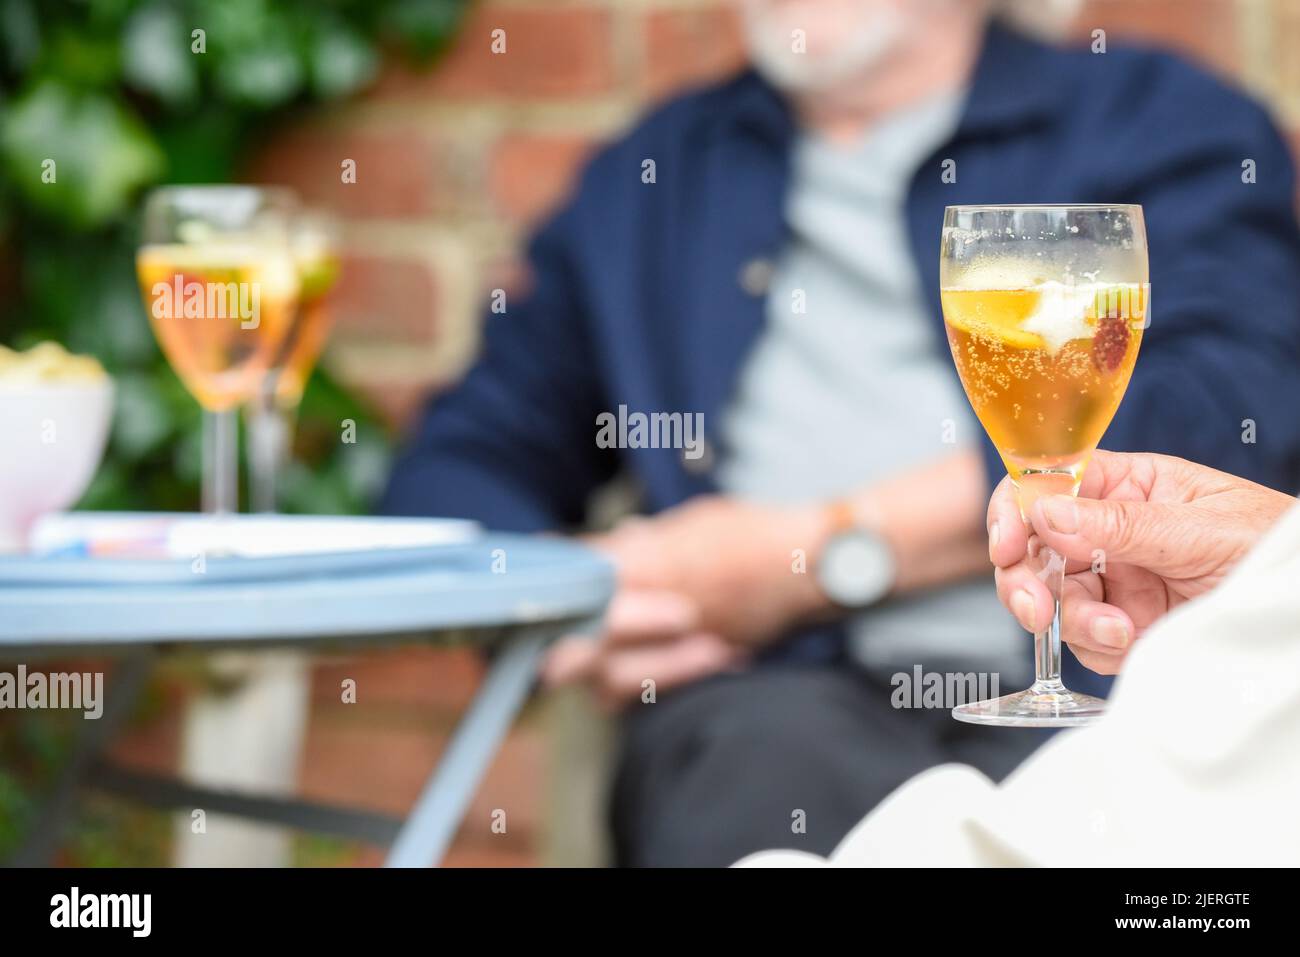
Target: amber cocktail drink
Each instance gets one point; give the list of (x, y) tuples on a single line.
[(1045, 367)]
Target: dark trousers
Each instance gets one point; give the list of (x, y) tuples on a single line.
[(723, 767)]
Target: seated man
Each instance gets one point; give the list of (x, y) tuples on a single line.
[(1204, 723), (760, 259)]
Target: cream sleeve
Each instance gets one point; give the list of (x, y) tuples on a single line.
[(1197, 761)]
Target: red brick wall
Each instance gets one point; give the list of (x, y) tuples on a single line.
[(453, 166)]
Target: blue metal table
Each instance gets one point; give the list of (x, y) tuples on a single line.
[(512, 594)]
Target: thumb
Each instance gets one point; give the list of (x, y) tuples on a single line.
[(1147, 534)]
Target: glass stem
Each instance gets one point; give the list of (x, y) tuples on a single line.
[(1047, 643), (268, 446), (220, 461)]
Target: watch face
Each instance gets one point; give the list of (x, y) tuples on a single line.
[(856, 569)]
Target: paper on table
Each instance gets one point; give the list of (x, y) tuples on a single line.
[(160, 535)]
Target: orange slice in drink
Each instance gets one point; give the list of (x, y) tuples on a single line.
[(994, 314)]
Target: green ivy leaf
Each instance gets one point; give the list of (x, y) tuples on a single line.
[(156, 57), (263, 76), (20, 35), (85, 58), (143, 420), (341, 62), (253, 52), (425, 26), (203, 146), (101, 154)]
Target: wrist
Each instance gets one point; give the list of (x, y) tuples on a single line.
[(808, 528)]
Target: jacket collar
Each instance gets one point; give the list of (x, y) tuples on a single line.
[(1014, 84)]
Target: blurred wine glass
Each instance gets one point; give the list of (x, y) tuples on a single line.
[(272, 411), (219, 280)]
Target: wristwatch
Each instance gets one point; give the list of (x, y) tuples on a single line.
[(856, 567)]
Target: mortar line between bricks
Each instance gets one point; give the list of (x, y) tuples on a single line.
[(492, 111), (1255, 44)]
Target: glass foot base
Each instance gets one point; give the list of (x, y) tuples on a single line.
[(1035, 708)]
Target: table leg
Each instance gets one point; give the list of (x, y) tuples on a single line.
[(120, 695), (438, 811), (248, 740)]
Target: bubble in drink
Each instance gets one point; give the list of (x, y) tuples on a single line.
[(1066, 352)]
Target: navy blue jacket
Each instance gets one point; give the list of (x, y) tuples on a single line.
[(636, 295)]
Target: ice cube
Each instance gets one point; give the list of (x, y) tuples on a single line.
[(1061, 313)]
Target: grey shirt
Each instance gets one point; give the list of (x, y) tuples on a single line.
[(849, 383)]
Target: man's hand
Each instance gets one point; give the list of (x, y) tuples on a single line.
[(1159, 531), (698, 587), (648, 634), (745, 567)]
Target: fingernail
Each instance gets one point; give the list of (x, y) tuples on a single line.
[(1112, 632), (995, 535), (1062, 514), (1024, 608)]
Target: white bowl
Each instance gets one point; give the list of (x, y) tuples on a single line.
[(52, 436)]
